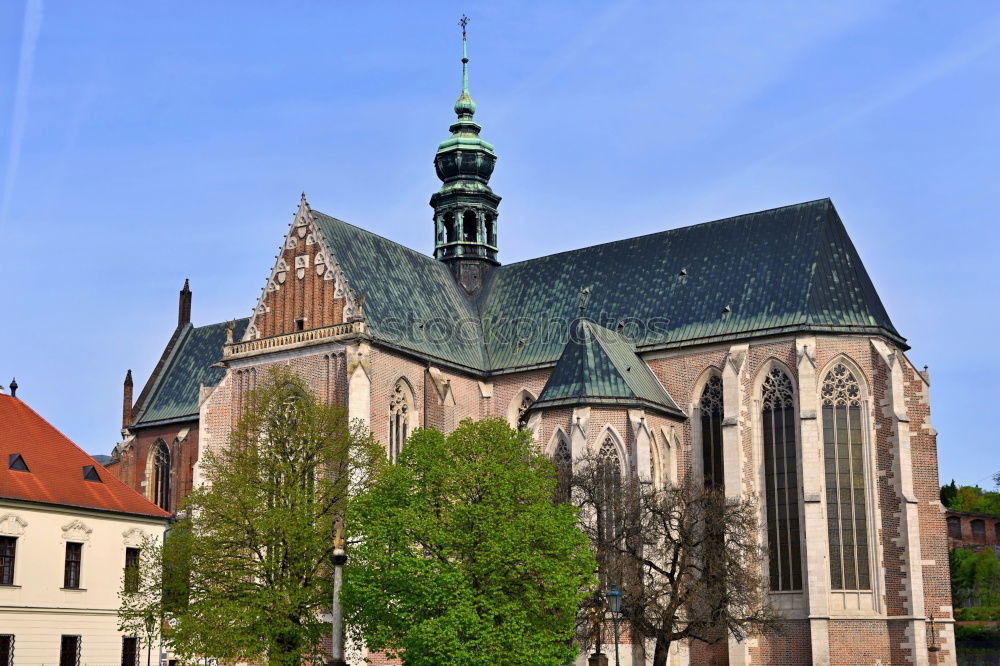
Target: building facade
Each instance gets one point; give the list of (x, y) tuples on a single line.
[(751, 353), (68, 530)]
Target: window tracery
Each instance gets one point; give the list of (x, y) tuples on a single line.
[(847, 506), (781, 487), (399, 418), (160, 489), (711, 407), (563, 459), (609, 490)]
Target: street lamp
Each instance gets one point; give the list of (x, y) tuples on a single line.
[(615, 606), (336, 611)]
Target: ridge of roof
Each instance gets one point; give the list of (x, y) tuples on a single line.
[(55, 465), (670, 230)]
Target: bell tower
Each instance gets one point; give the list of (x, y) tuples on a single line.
[(465, 208)]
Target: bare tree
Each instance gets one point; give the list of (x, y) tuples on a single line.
[(688, 561)]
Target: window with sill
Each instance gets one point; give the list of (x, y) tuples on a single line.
[(131, 575), (8, 549), (71, 572)]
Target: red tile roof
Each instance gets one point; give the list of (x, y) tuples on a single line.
[(55, 467)]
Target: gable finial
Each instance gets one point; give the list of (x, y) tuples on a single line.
[(13, 387)]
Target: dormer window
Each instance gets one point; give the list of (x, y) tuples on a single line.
[(16, 463), (90, 474)]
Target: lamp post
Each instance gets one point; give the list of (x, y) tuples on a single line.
[(615, 606), (337, 611)]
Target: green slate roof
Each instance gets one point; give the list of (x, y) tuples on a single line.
[(411, 299), (600, 367), (174, 394), (787, 269)]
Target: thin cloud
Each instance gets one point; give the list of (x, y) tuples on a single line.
[(29, 40)]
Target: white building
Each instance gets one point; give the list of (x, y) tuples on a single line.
[(68, 528)]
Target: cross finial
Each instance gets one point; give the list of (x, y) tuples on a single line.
[(464, 21)]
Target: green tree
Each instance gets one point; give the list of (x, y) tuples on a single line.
[(247, 574), (975, 577), (460, 556), (948, 493), (973, 499)]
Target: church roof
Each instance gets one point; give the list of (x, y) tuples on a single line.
[(55, 467), (411, 299), (173, 393), (599, 367), (782, 270)]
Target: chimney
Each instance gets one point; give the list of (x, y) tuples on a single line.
[(127, 401), (184, 306)]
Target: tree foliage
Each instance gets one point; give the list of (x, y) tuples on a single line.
[(688, 561), (975, 577), (247, 573), (972, 499), (458, 554)]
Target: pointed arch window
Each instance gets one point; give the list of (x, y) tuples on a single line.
[(563, 459), (781, 484), (608, 491), (711, 409), (522, 409), (400, 405), (847, 506), (160, 488)]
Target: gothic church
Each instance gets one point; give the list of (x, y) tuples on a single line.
[(752, 353)]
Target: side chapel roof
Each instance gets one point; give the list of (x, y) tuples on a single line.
[(600, 367), (173, 391)]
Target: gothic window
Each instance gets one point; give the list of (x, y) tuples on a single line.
[(847, 507), (954, 527), (522, 409), (469, 226), (159, 491), (563, 460), (781, 486), (608, 490), (710, 407), (400, 404), (978, 529)]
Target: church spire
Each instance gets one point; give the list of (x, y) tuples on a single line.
[(465, 208)]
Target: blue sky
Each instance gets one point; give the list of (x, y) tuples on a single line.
[(143, 143)]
